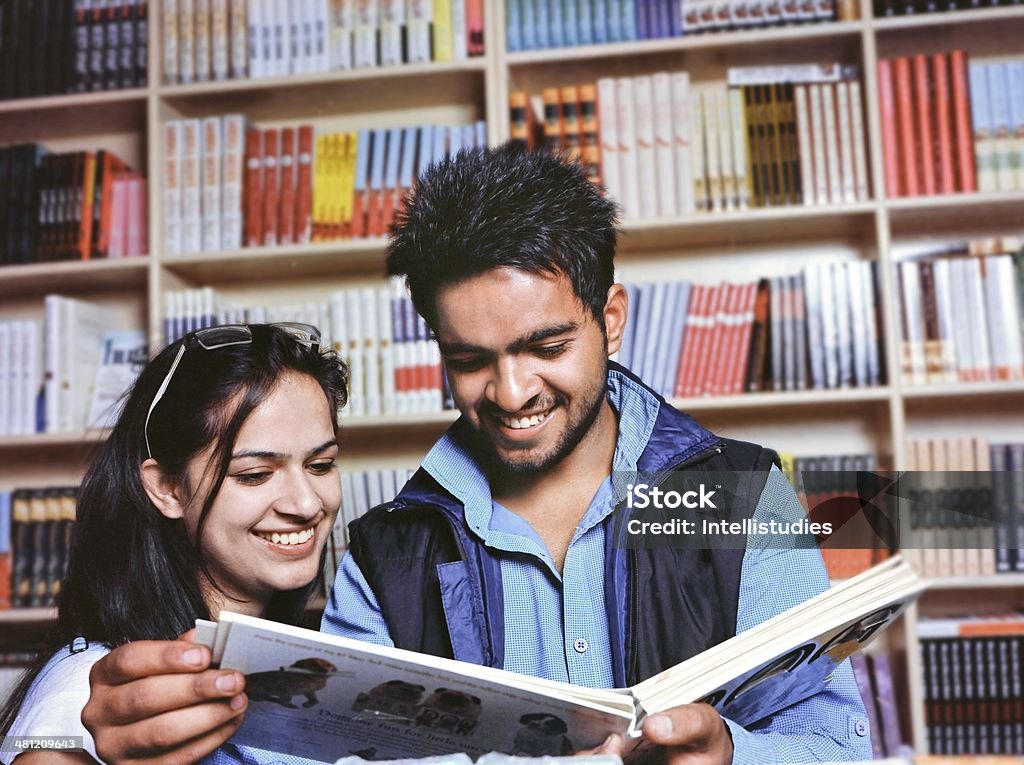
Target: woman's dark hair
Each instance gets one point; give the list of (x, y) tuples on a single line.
[(504, 207), (134, 574)]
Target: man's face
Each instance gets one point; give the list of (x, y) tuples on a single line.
[(526, 363)]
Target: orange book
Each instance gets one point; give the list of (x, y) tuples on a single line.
[(86, 185), (744, 326), (590, 151), (286, 169), (271, 150), (890, 146), (905, 126), (571, 122), (694, 317), (554, 135), (107, 166), (943, 115), (963, 135), (925, 144), (708, 333), (304, 186), (475, 26), (521, 119), (253, 195)]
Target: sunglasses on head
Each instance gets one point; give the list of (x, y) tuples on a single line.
[(212, 338)]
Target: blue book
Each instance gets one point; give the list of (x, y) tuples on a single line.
[(628, 19), (614, 24), (570, 22), (600, 14), (544, 24), (529, 17), (514, 25), (643, 19), (675, 18), (656, 329), (557, 19), (643, 327), (626, 351), (661, 11), (5, 522), (674, 351), (585, 16)]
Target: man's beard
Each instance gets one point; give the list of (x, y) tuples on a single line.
[(496, 465)]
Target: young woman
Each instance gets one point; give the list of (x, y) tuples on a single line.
[(217, 489)]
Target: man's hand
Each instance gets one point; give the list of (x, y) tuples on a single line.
[(692, 734), (157, 702)]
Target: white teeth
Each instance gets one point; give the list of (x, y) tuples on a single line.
[(275, 537), (291, 538), (518, 423)]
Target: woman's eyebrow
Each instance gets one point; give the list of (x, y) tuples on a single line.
[(270, 455)]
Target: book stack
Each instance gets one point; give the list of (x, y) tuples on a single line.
[(972, 678), (965, 515), (207, 40), (72, 46), (949, 125), (559, 23), (74, 206), (770, 136), (35, 537), (229, 184), (961, 313), (360, 491), (394, 366), (815, 330)]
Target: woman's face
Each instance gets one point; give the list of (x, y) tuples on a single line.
[(276, 507)]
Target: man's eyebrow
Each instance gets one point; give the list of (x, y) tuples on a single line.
[(269, 455), (516, 346)]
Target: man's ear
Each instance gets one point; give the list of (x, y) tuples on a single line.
[(163, 491), (615, 310)]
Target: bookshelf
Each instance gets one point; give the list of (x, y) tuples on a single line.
[(705, 246)]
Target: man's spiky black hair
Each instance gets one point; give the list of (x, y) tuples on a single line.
[(504, 207)]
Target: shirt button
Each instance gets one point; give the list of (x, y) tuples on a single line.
[(581, 645), (861, 727)]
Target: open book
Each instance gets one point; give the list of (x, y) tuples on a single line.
[(326, 697)]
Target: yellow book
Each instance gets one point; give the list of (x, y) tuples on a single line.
[(319, 188), (335, 181), (443, 44), (349, 181)]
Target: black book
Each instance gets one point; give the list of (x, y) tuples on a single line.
[(112, 45), (83, 14), (15, 160), (5, 247), (126, 42), (141, 14), (97, 45)]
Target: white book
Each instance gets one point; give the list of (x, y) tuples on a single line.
[(212, 163), (239, 32), (420, 18), (299, 19), (646, 181), (860, 158), (339, 332), (169, 42), (664, 154), (1003, 316), (982, 121), (17, 400), (220, 39), (730, 192), (681, 142), (846, 141), (54, 318), (33, 373), (172, 187), (770, 75), (191, 191), (832, 151), (1002, 136), (712, 151), (371, 349), (399, 344), (858, 323), (978, 322), (874, 343), (805, 144), (320, 53), (627, 148), (818, 141), (947, 319), (460, 31), (607, 116), (367, 25), (7, 377), (697, 153), (282, 37), (1015, 85), (257, 62), (913, 328), (203, 40), (232, 180), (829, 326), (122, 355), (356, 335), (962, 342), (392, 31), (342, 29), (815, 333), (186, 41), (738, 131), (385, 339)]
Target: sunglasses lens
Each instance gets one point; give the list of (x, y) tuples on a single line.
[(218, 337)]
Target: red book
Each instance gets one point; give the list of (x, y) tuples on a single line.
[(963, 135), (925, 144), (905, 126), (943, 115), (707, 334), (723, 339), (304, 186), (890, 147), (744, 331), (286, 169), (475, 26), (271, 150), (684, 374), (253, 182)]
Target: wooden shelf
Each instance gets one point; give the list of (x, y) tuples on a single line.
[(711, 40), (946, 203), (958, 390), (947, 18), (54, 440), (74, 101), (996, 581), (74, 276), (771, 401), (27, 615), (286, 261), (423, 421)]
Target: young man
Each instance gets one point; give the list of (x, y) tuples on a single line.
[(505, 548)]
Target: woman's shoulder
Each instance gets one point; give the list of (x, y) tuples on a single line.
[(54, 702)]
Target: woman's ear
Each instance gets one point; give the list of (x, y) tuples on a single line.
[(163, 491)]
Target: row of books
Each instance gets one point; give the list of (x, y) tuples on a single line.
[(775, 136), (394, 366), (961, 315), (207, 40), (360, 490), (531, 25), (958, 523), (230, 184), (874, 675), (35, 536), (973, 681), (818, 329), (49, 47), (73, 206), (887, 8)]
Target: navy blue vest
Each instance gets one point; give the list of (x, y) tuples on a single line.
[(440, 591)]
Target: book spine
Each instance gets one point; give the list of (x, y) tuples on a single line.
[(905, 126), (943, 116), (966, 177), (287, 172), (647, 184), (270, 183), (203, 40), (253, 190), (663, 149), (627, 148), (923, 116), (191, 191), (681, 141), (212, 165), (239, 29), (981, 117)]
